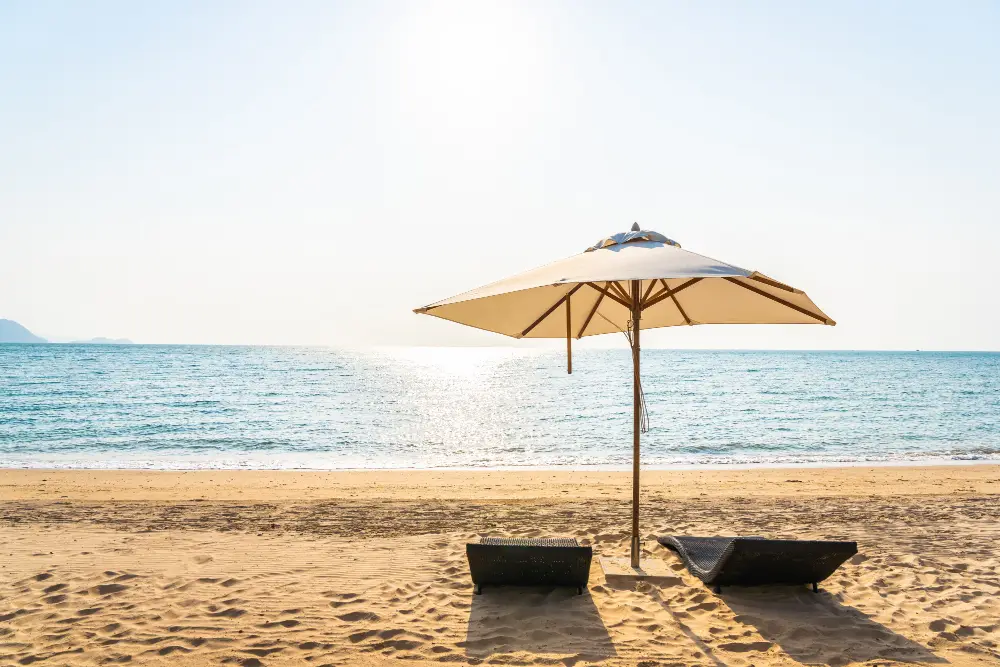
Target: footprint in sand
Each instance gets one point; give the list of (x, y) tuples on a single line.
[(228, 613), (396, 644), (201, 559), (347, 599), (743, 647), (244, 662), (356, 616), (108, 589), (263, 652)]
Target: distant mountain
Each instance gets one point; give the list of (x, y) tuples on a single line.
[(12, 332), (103, 341)]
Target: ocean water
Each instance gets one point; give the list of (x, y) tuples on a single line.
[(314, 408)]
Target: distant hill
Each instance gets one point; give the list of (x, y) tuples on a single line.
[(103, 341), (12, 332)]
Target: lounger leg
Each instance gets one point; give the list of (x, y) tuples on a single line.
[(477, 589), (716, 589), (815, 587), (579, 590)]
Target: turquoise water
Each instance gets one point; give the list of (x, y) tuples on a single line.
[(286, 407)]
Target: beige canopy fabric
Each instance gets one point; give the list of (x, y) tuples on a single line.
[(678, 288)]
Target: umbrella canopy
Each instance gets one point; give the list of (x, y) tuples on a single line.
[(624, 283), (678, 287)]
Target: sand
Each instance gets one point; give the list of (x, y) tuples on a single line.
[(368, 568)]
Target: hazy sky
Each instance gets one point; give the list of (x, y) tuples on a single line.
[(309, 172)]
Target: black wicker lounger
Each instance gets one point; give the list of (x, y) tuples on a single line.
[(500, 561), (749, 561)]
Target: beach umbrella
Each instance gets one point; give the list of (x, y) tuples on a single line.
[(625, 283)]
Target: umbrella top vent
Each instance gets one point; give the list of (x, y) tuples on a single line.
[(633, 236)]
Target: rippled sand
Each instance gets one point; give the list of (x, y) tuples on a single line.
[(215, 568)]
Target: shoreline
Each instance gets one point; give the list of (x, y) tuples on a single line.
[(685, 467)]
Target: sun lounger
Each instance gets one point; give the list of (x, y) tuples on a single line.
[(500, 561), (749, 561)]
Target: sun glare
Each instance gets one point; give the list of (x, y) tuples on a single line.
[(469, 65), (466, 362)]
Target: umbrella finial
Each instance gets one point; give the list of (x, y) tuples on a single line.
[(637, 234)]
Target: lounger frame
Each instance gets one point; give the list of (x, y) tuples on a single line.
[(500, 561), (751, 561)]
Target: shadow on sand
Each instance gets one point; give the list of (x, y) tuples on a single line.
[(537, 620), (816, 629)]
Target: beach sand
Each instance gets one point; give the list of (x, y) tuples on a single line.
[(368, 568)]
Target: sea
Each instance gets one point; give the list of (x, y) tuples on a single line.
[(194, 406)]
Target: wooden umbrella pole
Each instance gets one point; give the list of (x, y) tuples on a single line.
[(569, 338), (636, 420)]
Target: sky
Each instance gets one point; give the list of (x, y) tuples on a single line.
[(309, 172)]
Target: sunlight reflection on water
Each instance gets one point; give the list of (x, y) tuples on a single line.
[(203, 406)]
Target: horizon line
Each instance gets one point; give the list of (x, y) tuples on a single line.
[(502, 347)]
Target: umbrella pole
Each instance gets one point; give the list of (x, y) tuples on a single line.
[(569, 338), (636, 418)]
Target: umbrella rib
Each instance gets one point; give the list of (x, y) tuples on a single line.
[(772, 283), (687, 320), (610, 293), (621, 292), (590, 316), (788, 304), (652, 284), (660, 296), (550, 310)]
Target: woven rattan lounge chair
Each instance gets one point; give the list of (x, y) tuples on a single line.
[(501, 561), (750, 561)]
